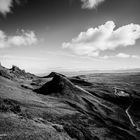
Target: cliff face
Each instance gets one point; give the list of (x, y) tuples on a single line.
[(15, 73)]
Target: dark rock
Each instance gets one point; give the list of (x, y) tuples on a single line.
[(52, 74)]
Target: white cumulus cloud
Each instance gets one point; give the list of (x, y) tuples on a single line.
[(105, 37), (89, 4), (5, 6), (23, 39)]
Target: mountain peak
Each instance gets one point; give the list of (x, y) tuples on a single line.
[(52, 74), (61, 86)]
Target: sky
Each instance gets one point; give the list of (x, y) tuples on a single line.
[(70, 35)]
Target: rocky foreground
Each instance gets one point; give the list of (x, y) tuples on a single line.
[(56, 107)]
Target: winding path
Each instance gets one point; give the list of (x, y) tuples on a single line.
[(123, 94)]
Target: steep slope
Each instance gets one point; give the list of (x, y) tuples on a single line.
[(22, 114), (4, 72), (15, 73), (61, 86)]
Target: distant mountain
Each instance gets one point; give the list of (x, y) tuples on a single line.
[(110, 71), (75, 73), (129, 70)]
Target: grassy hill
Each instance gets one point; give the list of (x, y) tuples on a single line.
[(56, 107)]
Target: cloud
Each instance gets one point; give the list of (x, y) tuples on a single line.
[(124, 55), (135, 56), (5, 6), (121, 55), (89, 4), (104, 37), (23, 39)]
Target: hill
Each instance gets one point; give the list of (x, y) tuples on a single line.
[(15, 73), (56, 107)]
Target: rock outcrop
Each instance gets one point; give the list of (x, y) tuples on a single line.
[(15, 73)]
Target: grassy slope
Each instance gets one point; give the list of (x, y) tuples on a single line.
[(26, 123), (48, 117)]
